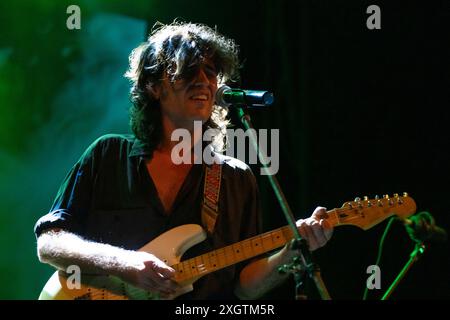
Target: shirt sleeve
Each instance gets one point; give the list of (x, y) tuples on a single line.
[(72, 201)]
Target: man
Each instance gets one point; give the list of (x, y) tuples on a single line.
[(127, 189)]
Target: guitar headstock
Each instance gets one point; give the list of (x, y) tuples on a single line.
[(366, 213)]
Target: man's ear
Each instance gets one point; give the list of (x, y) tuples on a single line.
[(154, 90)]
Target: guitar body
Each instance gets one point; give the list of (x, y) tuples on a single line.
[(169, 247)]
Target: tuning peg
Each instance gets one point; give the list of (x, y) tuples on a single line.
[(386, 196), (377, 197), (366, 198), (380, 203), (395, 195), (358, 201), (405, 194)]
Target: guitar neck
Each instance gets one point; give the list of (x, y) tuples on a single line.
[(224, 257), (361, 213)]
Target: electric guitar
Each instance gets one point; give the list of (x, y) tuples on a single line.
[(171, 245)]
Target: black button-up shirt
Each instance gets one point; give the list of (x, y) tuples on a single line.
[(109, 197)]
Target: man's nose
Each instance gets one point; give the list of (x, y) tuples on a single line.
[(201, 78)]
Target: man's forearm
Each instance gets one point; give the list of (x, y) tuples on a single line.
[(62, 249), (262, 275)]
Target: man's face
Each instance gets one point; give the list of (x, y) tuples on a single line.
[(190, 98)]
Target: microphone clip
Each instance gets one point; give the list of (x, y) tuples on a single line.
[(422, 228)]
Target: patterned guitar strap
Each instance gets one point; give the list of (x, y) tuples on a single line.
[(211, 192)]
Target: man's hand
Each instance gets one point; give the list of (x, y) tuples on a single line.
[(262, 275), (150, 273), (315, 229)]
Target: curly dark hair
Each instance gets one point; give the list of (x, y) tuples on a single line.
[(172, 49)]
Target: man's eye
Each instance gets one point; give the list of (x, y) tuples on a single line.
[(191, 72), (210, 72)]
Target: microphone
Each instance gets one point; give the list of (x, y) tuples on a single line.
[(227, 97), (422, 227)]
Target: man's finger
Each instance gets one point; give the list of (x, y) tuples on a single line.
[(320, 213), (319, 233), (160, 267), (327, 228)]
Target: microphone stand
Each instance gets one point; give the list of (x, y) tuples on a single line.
[(302, 264), (418, 251)]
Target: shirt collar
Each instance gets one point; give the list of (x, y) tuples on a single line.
[(140, 149)]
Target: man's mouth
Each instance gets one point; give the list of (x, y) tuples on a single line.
[(200, 97)]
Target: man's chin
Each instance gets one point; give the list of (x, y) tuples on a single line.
[(203, 117)]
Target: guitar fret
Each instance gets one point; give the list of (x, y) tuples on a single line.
[(213, 259), (178, 271), (247, 248), (256, 245), (229, 255), (221, 257), (278, 238), (187, 268), (287, 232), (267, 242), (238, 253), (200, 265), (193, 267), (206, 264)]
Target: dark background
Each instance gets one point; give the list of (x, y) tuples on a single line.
[(360, 112)]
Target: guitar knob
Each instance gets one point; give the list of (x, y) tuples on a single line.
[(366, 198), (405, 194), (395, 195), (357, 199), (377, 197), (386, 196)]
